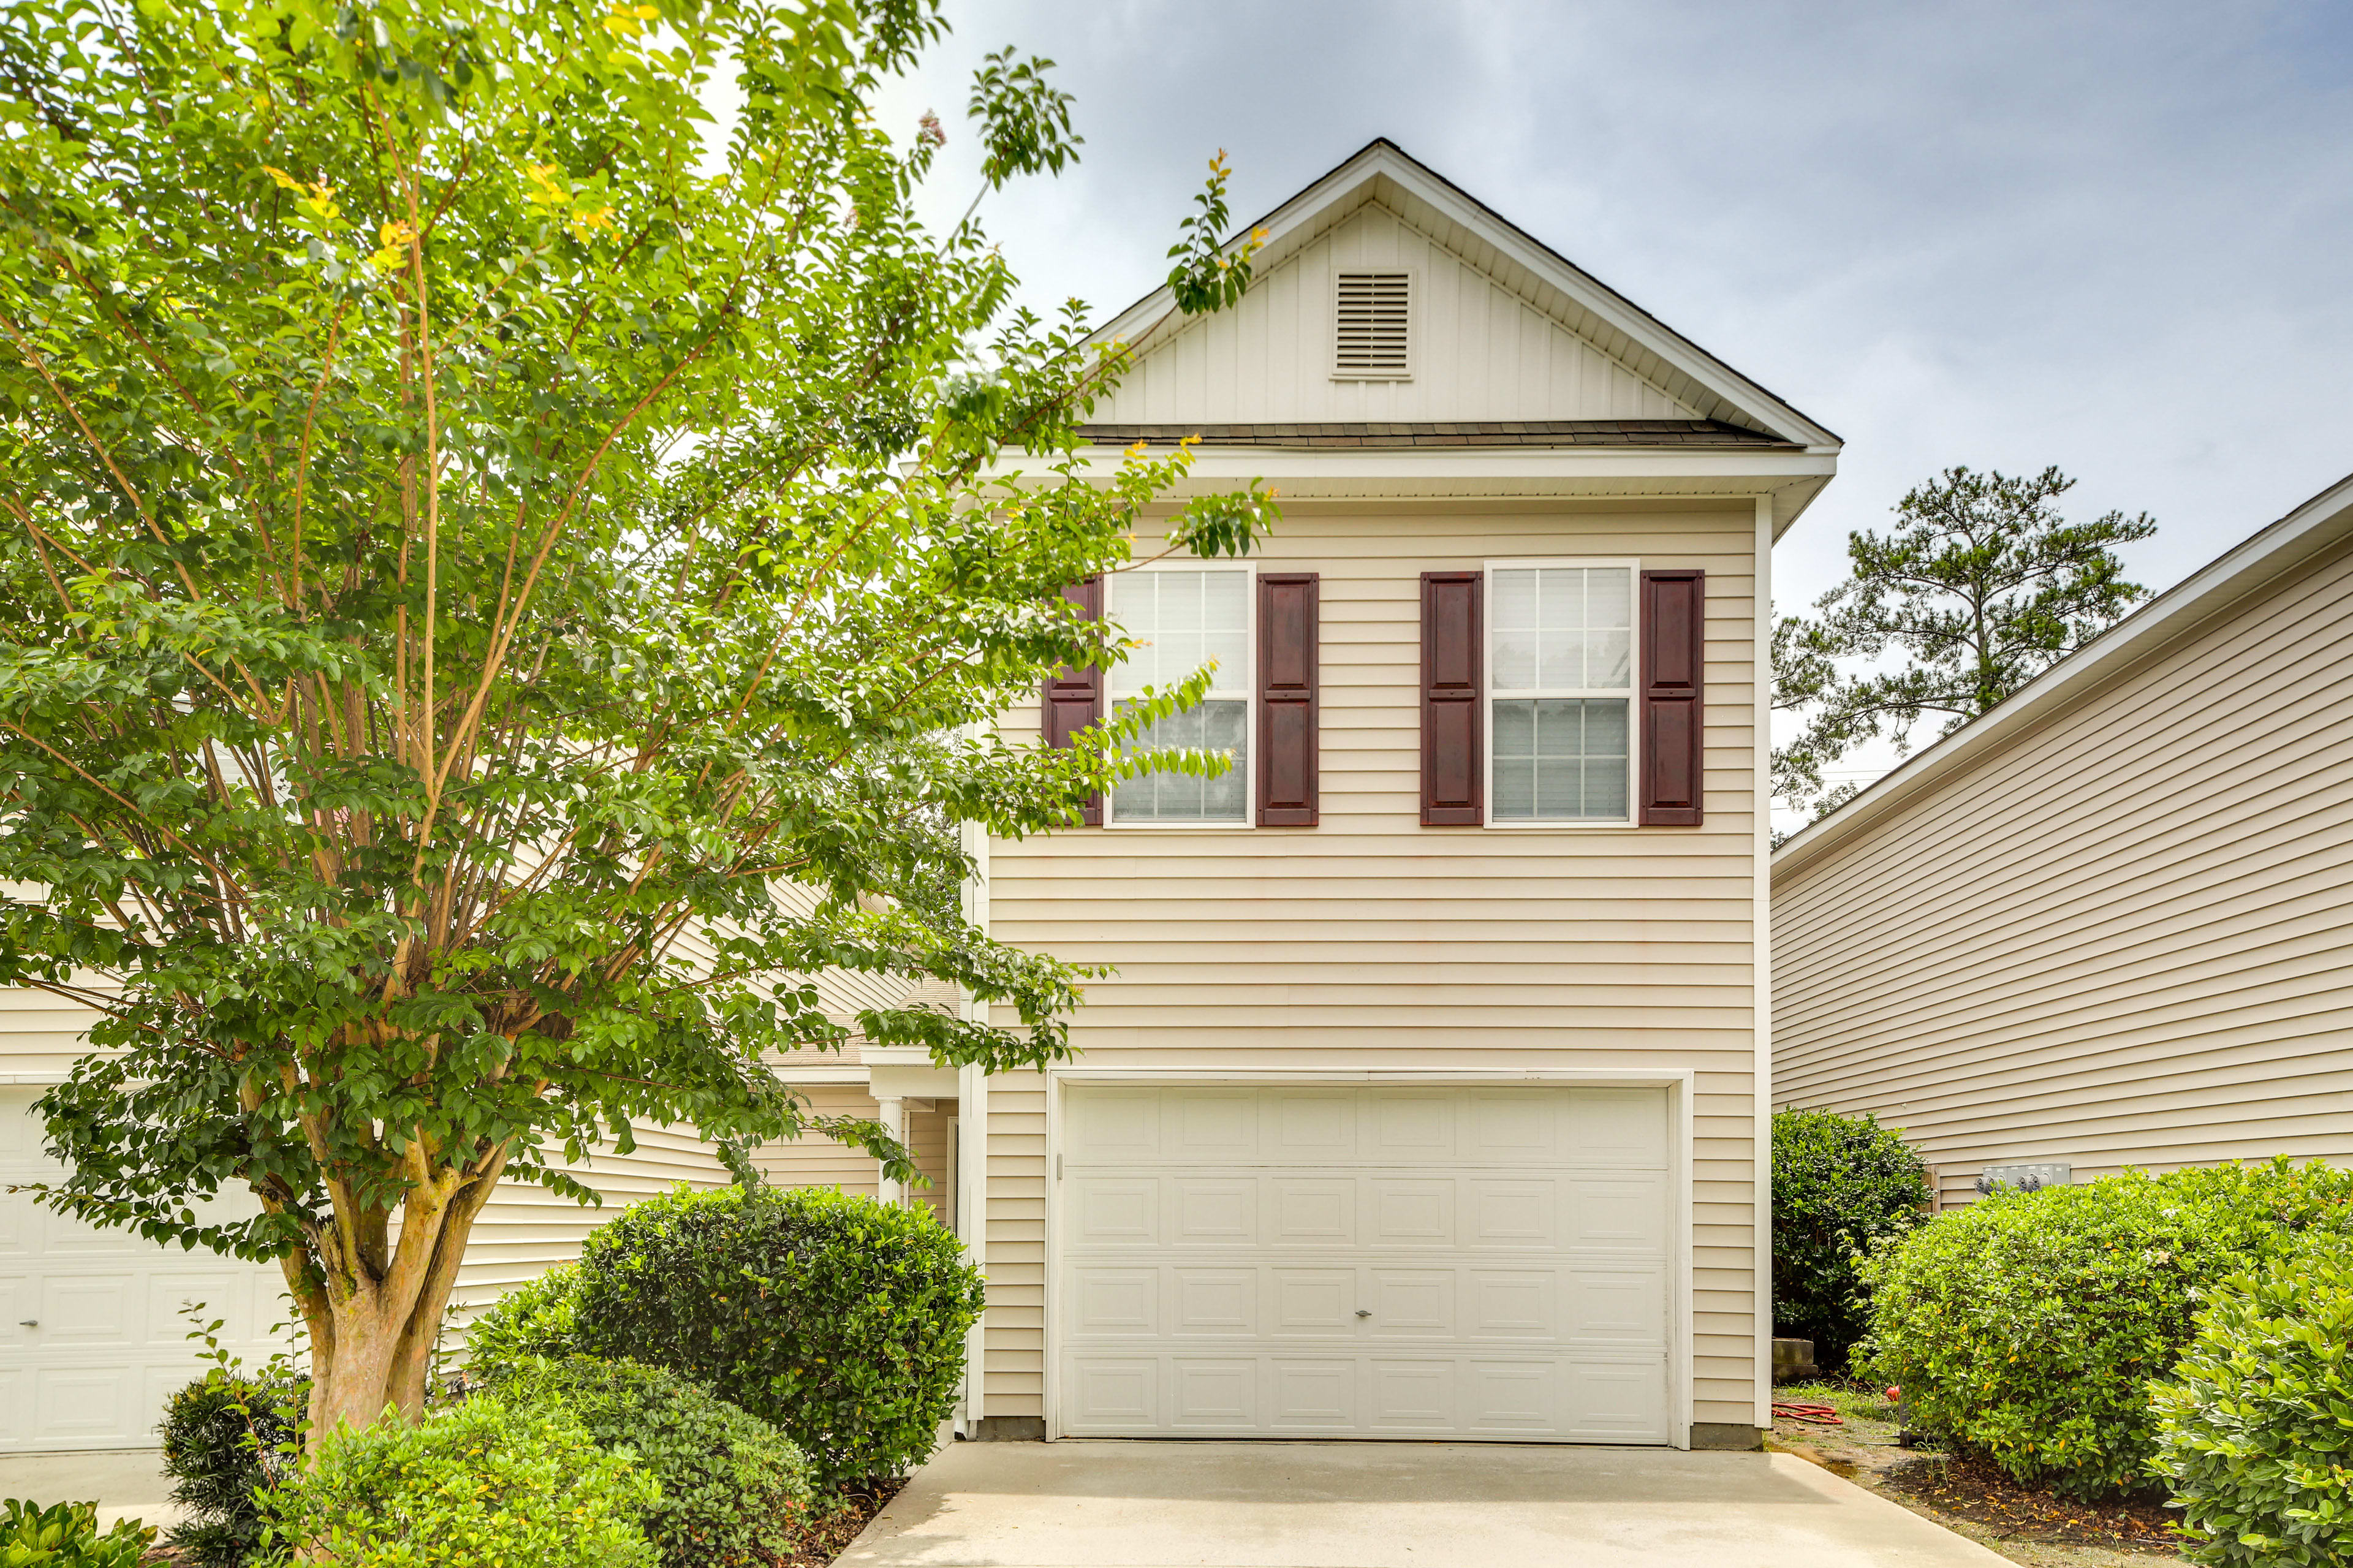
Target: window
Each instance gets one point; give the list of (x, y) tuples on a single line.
[(1560, 691), (1184, 619)]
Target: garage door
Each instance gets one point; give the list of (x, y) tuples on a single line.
[(1366, 1262), (91, 1338)]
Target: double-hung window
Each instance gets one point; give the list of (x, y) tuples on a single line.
[(1560, 691), (1185, 619)]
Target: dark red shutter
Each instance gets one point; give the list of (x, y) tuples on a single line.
[(1451, 773), (1674, 655), (1073, 698), (1286, 698)]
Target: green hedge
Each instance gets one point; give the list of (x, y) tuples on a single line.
[(532, 1321), (472, 1485), (1841, 1184), (2254, 1430), (840, 1320), (735, 1493), (2027, 1327)]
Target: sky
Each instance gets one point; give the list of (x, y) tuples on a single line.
[(2114, 237)]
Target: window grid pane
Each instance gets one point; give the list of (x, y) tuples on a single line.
[(1182, 620), (1561, 630), (1217, 725), (1558, 759)]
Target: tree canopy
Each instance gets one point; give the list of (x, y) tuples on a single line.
[(1981, 586), (507, 579)]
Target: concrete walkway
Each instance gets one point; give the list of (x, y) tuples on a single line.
[(1389, 1505), (125, 1483)]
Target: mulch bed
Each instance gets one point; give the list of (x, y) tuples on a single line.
[(1981, 1494), (830, 1539)]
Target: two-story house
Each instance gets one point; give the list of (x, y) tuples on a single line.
[(1429, 1099)]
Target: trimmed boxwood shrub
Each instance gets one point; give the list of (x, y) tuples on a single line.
[(2028, 1327), (472, 1485), (735, 1493), (840, 1319), (2254, 1430), (224, 1438), (1840, 1185)]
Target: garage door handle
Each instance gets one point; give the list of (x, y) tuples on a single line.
[(29, 1322), (1364, 1311)]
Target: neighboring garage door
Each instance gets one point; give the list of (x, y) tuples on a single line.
[(91, 1337), (1432, 1261)]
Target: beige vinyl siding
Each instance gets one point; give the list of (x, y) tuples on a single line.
[(526, 1230), (1372, 941), (2118, 940), (1481, 352), (819, 1161)]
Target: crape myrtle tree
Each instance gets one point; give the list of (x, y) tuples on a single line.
[(506, 578), (1981, 586)]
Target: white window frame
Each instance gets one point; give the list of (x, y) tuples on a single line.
[(1487, 695), (1413, 324), (1249, 569)]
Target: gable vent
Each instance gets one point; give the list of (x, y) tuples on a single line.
[(1373, 342)]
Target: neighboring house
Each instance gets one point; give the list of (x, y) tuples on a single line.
[(2107, 924), (1427, 1099), (93, 1333)]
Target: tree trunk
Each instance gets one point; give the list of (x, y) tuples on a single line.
[(372, 1338)]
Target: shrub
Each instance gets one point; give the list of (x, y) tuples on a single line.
[(1840, 1185), (2255, 1431), (478, 1485), (840, 1319), (224, 1440), (532, 1321), (735, 1491), (65, 1535), (2027, 1327)]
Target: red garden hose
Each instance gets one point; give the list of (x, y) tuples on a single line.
[(1820, 1415)]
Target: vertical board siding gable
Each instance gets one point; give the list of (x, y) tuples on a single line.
[(1450, 770), (1673, 677), (1072, 699), (1287, 635)]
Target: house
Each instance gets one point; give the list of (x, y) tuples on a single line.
[(1428, 1100), (2105, 924)]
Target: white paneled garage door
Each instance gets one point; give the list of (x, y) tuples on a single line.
[(1436, 1261), (91, 1338)]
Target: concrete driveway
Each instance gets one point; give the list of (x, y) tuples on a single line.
[(1389, 1505)]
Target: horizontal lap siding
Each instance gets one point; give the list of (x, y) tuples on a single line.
[(1371, 941), (2118, 941), (526, 1230)]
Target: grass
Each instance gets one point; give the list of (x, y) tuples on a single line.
[(1851, 1400)]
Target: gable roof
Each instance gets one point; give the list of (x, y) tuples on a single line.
[(1382, 173), (2255, 561)]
